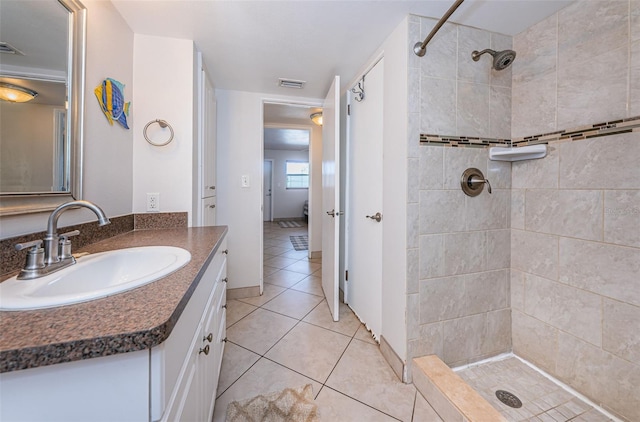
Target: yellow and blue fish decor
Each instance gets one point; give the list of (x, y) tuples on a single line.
[(110, 95)]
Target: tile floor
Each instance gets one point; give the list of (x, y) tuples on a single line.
[(542, 400), (286, 338)]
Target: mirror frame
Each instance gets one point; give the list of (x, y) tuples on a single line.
[(27, 203)]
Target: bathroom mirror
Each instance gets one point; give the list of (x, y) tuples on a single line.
[(42, 46)]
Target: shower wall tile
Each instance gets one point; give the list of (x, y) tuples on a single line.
[(517, 290), (485, 292), (500, 112), (413, 136), (608, 270), (413, 180), (413, 225), (431, 256), (442, 211), (465, 253), (618, 336), (572, 310), (537, 51), (517, 208), (593, 90), (635, 20), (501, 78), (463, 338), (534, 340), (488, 211), (438, 106), (442, 299), (429, 341), (574, 213), (414, 34), (534, 105), (587, 29), (413, 270), (469, 40), (622, 217), (599, 375), (498, 339), (440, 58), (457, 160), (601, 163), (413, 90), (535, 253), (499, 174), (413, 316), (634, 79), (537, 174), (473, 102), (431, 167), (498, 249)]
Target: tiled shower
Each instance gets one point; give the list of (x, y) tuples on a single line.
[(548, 265)]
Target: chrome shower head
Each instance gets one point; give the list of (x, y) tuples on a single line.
[(501, 59)]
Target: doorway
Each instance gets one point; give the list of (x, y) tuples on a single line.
[(267, 183)]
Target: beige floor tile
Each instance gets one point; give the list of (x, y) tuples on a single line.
[(423, 412), (267, 270), (311, 285), (260, 330), (347, 324), (237, 310), (293, 254), (274, 250), (310, 350), (235, 361), (365, 335), (362, 373), (293, 303), (279, 262), (269, 292), (263, 377), (304, 267), (335, 406), (284, 278)]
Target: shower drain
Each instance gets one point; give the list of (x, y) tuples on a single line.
[(508, 398)]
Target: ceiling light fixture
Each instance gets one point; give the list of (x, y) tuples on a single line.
[(16, 94), (317, 118)]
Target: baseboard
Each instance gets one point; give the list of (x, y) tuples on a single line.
[(392, 359), (242, 292), (315, 254)]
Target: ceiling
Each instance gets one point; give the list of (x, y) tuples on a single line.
[(248, 45)]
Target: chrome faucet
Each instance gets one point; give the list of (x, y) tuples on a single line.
[(56, 251)]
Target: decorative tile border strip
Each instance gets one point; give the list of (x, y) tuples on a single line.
[(631, 124)]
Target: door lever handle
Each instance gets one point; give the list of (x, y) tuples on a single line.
[(332, 213), (377, 216)]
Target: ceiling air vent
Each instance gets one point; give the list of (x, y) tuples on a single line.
[(9, 49), (291, 83)]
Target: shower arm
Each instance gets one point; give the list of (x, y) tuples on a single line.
[(421, 47)]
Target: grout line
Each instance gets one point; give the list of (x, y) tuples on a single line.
[(361, 402)]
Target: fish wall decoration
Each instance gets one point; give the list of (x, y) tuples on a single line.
[(110, 95)]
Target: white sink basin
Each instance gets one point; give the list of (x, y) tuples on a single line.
[(92, 277)]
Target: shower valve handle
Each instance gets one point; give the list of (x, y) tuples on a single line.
[(476, 179)]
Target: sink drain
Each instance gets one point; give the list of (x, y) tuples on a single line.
[(508, 398)]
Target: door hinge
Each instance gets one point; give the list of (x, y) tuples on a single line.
[(346, 275), (348, 109)]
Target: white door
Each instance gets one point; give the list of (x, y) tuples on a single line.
[(267, 182), (331, 196), (365, 201), (208, 160)]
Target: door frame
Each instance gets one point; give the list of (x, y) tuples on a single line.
[(271, 176)]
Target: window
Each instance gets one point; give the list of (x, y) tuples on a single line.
[(297, 173)]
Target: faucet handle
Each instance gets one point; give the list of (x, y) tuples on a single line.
[(34, 245), (65, 236)]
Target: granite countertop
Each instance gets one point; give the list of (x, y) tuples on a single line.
[(135, 320)]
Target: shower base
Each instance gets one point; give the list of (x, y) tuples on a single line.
[(541, 399)]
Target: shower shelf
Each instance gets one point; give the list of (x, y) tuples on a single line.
[(529, 152)]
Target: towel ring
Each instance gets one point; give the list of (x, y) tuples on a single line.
[(163, 124)]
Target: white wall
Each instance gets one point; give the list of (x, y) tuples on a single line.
[(108, 154), (287, 203), (240, 152), (164, 89)]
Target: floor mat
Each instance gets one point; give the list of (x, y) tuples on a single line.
[(289, 224), (300, 243)]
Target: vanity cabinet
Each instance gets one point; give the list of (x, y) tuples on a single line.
[(173, 381)]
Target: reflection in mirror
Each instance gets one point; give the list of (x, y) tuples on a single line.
[(41, 51)]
